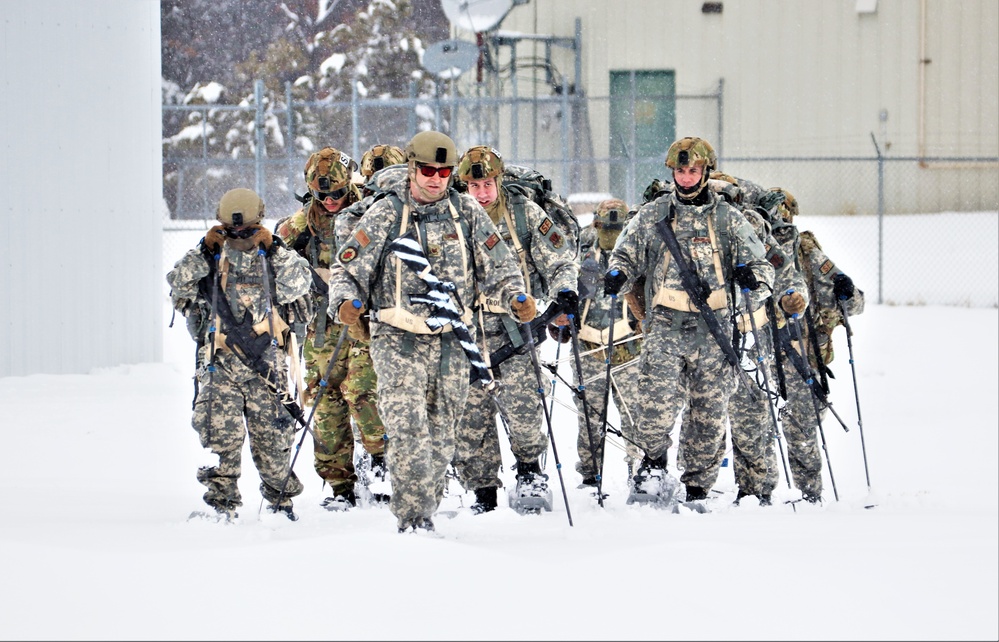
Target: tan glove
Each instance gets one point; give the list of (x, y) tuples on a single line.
[(525, 310), (348, 313), (793, 303), (214, 238)]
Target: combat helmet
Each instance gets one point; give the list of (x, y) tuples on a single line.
[(240, 207), (789, 208), (380, 156), (479, 163), (328, 173), (432, 147), (692, 151), (610, 215)]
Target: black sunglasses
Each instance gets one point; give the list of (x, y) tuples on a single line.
[(335, 194), (430, 170), (244, 233)]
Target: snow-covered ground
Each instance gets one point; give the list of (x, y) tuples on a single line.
[(98, 476)]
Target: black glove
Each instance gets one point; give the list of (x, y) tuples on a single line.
[(568, 302), (613, 281), (745, 278), (842, 286)]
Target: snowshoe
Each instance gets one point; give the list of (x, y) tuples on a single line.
[(653, 485), (340, 502), (531, 495), (283, 510)]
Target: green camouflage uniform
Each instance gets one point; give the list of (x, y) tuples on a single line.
[(351, 387), (423, 379), (234, 393), (595, 313), (680, 359)]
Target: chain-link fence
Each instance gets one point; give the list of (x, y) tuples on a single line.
[(865, 205)]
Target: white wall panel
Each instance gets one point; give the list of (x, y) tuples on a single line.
[(80, 172)]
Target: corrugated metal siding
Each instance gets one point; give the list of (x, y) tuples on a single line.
[(82, 215), (802, 77)]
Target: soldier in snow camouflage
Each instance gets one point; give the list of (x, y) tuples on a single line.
[(546, 262), (351, 387), (754, 455), (423, 374), (596, 244), (825, 285), (231, 392), (681, 360)]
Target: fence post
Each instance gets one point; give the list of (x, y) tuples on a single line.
[(881, 217), (289, 143), (258, 153)]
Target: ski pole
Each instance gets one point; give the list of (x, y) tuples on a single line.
[(853, 371), (609, 358), (525, 328), (581, 390), (765, 368), (323, 385), (796, 331)]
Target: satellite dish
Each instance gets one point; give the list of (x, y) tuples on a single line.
[(476, 15), (450, 57)]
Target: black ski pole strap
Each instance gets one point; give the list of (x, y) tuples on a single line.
[(538, 330), (778, 360), (443, 310), (813, 345)]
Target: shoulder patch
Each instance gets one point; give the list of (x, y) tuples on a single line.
[(776, 259), (556, 239), (492, 241), (545, 226), (362, 237), (826, 267), (348, 254)]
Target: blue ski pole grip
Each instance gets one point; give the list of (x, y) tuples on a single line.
[(356, 303)]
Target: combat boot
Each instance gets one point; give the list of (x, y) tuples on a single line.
[(485, 500)]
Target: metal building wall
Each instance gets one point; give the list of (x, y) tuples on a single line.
[(801, 77), (80, 176)]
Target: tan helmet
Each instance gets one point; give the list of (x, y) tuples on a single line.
[(480, 162), (789, 208), (432, 147), (380, 156), (240, 207), (328, 173), (610, 215)]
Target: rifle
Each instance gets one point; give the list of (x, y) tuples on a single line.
[(695, 290), (249, 348), (538, 329)]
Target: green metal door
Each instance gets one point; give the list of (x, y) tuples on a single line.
[(642, 127)]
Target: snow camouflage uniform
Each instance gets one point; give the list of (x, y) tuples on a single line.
[(546, 259), (798, 415), (594, 319), (423, 378), (754, 455), (351, 387), (681, 361), (234, 392)]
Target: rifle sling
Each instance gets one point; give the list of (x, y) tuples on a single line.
[(695, 290)]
